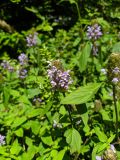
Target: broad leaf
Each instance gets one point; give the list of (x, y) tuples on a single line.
[(73, 138), (84, 56), (33, 92), (101, 135), (60, 155), (82, 94), (47, 140), (18, 121), (16, 148)]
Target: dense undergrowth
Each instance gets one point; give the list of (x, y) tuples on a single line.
[(59, 80)]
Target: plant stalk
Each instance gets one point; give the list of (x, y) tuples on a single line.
[(116, 111), (69, 112)]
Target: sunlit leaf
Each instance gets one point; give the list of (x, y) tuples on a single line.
[(73, 138), (83, 56), (82, 94)]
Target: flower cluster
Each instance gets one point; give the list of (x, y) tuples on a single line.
[(94, 32), (6, 65), (32, 39), (22, 73), (59, 79), (115, 73), (23, 59), (2, 141)]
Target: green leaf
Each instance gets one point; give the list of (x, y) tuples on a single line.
[(19, 132), (73, 138), (47, 140), (18, 121), (85, 121), (15, 93), (101, 135), (76, 42), (35, 126), (28, 141), (35, 112), (33, 92), (84, 56), (15, 149), (60, 155), (82, 94), (6, 95), (116, 47), (105, 25)]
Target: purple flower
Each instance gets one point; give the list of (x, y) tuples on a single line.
[(56, 124), (115, 80), (23, 59), (22, 73), (103, 71), (112, 148), (6, 65), (59, 79), (2, 141), (37, 100), (32, 39), (98, 158), (116, 70), (94, 32)]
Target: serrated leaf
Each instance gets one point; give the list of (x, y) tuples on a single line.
[(73, 138), (82, 94), (84, 56)]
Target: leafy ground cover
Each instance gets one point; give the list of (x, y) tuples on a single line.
[(60, 80)]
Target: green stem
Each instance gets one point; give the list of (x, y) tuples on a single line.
[(69, 112), (78, 10), (116, 112), (79, 18)]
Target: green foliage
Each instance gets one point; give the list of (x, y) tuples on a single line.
[(38, 121)]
